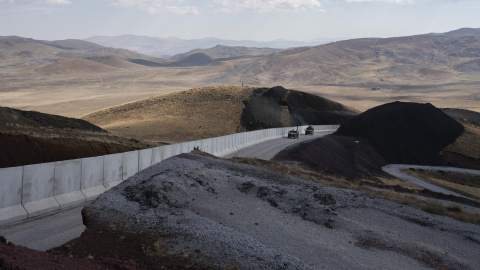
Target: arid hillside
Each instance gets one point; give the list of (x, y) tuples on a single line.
[(373, 62), (218, 110), (74, 77)]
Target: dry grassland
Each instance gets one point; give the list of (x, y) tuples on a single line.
[(459, 95), (168, 118), (69, 91), (75, 94), (469, 143)]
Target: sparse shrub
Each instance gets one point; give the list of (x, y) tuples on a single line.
[(435, 208), (234, 266)]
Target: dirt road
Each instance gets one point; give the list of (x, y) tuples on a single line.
[(395, 170)]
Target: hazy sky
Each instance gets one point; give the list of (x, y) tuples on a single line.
[(262, 20)]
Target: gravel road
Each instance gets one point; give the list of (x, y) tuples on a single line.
[(46, 231), (267, 150), (395, 170)]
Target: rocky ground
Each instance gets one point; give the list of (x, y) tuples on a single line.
[(197, 212)]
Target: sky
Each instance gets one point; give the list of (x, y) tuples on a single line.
[(261, 20)]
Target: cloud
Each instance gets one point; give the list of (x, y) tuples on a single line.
[(58, 2), (387, 1), (261, 6), (156, 6), (36, 2)]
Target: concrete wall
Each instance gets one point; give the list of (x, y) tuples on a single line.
[(33, 190)]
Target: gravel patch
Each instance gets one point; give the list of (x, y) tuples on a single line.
[(235, 214)]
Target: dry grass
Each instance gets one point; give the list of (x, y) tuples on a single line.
[(468, 143), (384, 188), (177, 117)]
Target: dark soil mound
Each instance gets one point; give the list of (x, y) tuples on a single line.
[(9, 116), (277, 107), (19, 257), (406, 133), (337, 155)]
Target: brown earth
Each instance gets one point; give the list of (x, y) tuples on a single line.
[(22, 258)]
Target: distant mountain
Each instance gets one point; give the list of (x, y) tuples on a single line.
[(372, 62), (70, 55), (80, 56), (167, 47), (219, 53), (463, 32)]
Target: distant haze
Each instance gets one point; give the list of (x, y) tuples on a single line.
[(167, 47), (261, 20)]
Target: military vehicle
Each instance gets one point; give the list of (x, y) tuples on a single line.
[(293, 134), (309, 130)]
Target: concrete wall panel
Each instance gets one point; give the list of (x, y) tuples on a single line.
[(67, 183), (38, 185), (11, 208), (11, 183), (177, 149), (167, 151), (112, 170), (144, 159), (91, 183), (38, 182), (67, 176), (157, 154), (218, 143), (206, 145), (130, 164)]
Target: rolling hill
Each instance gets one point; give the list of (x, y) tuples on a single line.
[(27, 52), (218, 110), (372, 62)]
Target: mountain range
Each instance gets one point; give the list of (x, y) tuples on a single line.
[(170, 46)]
